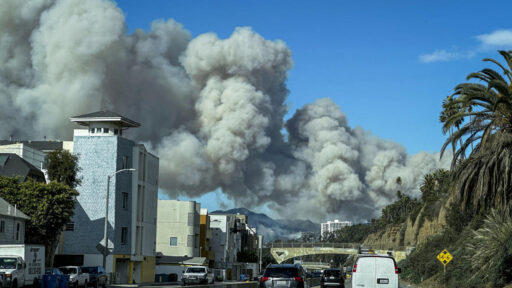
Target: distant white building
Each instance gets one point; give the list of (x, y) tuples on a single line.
[(331, 226)]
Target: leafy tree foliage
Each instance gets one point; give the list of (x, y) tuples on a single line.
[(491, 249), (63, 167), (49, 206)]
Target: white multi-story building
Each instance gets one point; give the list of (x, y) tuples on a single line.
[(223, 241), (331, 226), (178, 228)]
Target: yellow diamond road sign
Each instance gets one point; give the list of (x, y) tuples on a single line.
[(445, 257)]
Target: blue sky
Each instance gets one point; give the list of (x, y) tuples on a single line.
[(387, 64)]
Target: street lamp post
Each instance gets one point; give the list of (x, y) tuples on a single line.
[(105, 253)]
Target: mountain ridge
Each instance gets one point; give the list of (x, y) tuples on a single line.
[(274, 229)]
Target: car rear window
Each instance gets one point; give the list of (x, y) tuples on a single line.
[(329, 273), (90, 270), (196, 270), (281, 272)]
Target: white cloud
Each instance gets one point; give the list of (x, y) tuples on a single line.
[(440, 55), (497, 38)]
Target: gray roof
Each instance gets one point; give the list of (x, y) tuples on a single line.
[(44, 146), (12, 165), (103, 116), (7, 209)]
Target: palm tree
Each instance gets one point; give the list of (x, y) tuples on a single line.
[(484, 179), (491, 109), (491, 249)]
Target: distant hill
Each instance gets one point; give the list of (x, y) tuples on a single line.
[(274, 229)]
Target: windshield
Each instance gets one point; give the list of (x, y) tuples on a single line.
[(281, 272), (68, 271), (7, 263), (196, 270), (90, 270)]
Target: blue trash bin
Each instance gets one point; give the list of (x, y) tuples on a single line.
[(242, 277), (64, 281), (49, 281)]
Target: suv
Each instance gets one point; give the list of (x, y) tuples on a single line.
[(375, 271), (284, 275), (332, 277), (97, 276), (197, 275)]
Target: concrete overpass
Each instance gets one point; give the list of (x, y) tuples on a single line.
[(289, 250)]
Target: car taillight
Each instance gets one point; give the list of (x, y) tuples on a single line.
[(263, 279), (299, 279), (355, 268), (8, 276), (396, 269)]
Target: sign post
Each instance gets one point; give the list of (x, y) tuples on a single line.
[(444, 257)]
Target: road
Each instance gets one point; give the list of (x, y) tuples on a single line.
[(348, 284)]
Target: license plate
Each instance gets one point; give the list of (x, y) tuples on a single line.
[(280, 283), (331, 277), (382, 281)]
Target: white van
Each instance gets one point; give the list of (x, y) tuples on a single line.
[(371, 271)]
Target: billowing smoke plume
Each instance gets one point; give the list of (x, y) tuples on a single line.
[(212, 109)]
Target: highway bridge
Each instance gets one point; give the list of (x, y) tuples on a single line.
[(289, 250)]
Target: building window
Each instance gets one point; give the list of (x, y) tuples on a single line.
[(70, 226), (98, 130), (174, 241), (17, 231), (116, 131), (125, 162), (124, 235), (2, 226), (105, 130), (92, 130), (125, 200), (190, 241), (190, 219)]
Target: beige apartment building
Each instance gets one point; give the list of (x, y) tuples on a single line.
[(178, 228)]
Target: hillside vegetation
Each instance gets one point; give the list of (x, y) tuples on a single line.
[(466, 210)]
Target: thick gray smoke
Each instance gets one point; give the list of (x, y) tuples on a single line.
[(212, 109)]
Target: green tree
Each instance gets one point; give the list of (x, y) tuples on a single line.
[(49, 206), (63, 168), (491, 249), (482, 179), (488, 107)]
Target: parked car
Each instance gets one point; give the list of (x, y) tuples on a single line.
[(332, 277), (97, 276), (284, 275), (198, 275), (372, 270), (76, 276)]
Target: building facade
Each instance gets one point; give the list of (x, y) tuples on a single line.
[(331, 226), (133, 194), (12, 224), (178, 228), (205, 234)]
